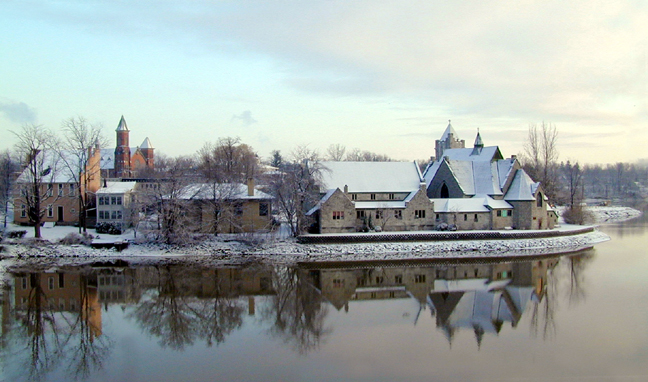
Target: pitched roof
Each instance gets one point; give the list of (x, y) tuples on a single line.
[(146, 144), (371, 176), (479, 203), (449, 130), (107, 161), (57, 167), (227, 191), (522, 187)]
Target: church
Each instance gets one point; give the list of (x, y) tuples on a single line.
[(124, 161), (462, 188)]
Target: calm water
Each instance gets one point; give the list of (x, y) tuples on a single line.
[(581, 317)]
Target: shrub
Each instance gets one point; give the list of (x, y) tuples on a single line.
[(577, 215), (75, 238), (17, 234), (109, 228)]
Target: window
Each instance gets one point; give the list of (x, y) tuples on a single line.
[(60, 189), (360, 214), (114, 215), (338, 215), (113, 200), (24, 282), (380, 279), (50, 283), (50, 211), (373, 196), (398, 279), (338, 283), (238, 209), (361, 282), (398, 214), (437, 217), (499, 213), (50, 189), (23, 211), (72, 191), (354, 196), (419, 214), (101, 200), (539, 200), (61, 303), (263, 209), (61, 280), (379, 214), (419, 279), (119, 215), (465, 217), (391, 197), (119, 200), (476, 217), (101, 214)]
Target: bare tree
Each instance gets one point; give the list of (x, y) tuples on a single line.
[(357, 155), (227, 161), (34, 141), (8, 167), (80, 153), (541, 155), (335, 152)]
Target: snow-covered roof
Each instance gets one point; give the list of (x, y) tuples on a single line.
[(371, 176), (449, 130), (522, 187), (324, 198), (488, 153), (228, 191), (117, 188), (146, 144), (504, 168), (107, 161), (57, 167), (478, 203)]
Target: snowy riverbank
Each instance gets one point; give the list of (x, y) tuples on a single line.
[(237, 249)]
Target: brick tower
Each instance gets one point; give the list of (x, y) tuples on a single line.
[(122, 151)]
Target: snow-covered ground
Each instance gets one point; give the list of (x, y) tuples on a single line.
[(608, 214), (242, 248)]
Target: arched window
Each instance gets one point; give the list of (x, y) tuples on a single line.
[(445, 193), (539, 200)]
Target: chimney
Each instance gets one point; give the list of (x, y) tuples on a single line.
[(346, 189), (250, 186), (513, 156)]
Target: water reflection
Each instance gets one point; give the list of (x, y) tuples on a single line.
[(52, 319)]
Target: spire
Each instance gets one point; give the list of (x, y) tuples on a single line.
[(479, 145), (122, 125)]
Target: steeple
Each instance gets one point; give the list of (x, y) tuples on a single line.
[(478, 146), (449, 140), (122, 125)]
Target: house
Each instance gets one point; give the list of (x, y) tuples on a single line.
[(114, 203), (62, 178), (362, 196), (476, 188), (226, 207), (124, 161)]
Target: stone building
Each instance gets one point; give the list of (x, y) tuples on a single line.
[(380, 196)]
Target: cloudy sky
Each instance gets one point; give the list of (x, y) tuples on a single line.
[(383, 76)]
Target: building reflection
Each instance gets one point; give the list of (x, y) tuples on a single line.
[(480, 297)]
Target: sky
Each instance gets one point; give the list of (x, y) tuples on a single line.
[(382, 76)]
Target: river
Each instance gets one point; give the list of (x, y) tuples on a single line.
[(581, 316)]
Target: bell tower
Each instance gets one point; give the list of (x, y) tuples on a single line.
[(122, 150)]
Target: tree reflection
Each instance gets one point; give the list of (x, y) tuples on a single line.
[(46, 335), (175, 314), (296, 311), (577, 265)]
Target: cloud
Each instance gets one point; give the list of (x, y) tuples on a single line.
[(18, 112), (245, 118)]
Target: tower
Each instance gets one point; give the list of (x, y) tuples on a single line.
[(147, 151), (449, 140), (122, 150), (478, 146)]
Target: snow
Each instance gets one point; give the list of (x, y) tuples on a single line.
[(117, 188), (522, 187), (390, 177), (233, 249), (608, 214)]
